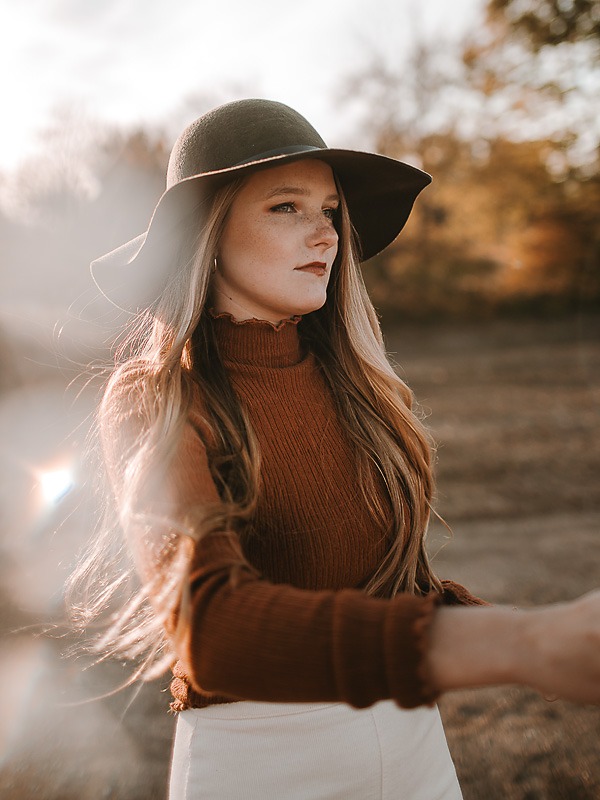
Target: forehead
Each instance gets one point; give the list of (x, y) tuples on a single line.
[(309, 174)]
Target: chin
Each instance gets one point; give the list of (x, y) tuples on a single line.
[(308, 305)]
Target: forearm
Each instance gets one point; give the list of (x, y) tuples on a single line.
[(554, 649), (471, 647)]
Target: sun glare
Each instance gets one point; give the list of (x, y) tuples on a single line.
[(55, 484)]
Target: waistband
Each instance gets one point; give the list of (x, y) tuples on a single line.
[(251, 709)]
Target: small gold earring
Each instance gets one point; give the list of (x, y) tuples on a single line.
[(215, 265)]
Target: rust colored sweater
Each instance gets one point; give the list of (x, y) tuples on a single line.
[(296, 625)]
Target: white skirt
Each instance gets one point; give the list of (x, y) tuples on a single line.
[(299, 751)]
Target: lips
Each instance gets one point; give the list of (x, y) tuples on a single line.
[(316, 267)]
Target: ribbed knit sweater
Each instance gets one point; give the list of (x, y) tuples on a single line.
[(295, 625)]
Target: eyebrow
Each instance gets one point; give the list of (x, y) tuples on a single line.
[(298, 190)]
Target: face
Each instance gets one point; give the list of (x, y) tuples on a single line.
[(279, 243)]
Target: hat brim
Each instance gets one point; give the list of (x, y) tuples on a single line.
[(380, 193)]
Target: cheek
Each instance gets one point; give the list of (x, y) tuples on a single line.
[(256, 247), (238, 241)]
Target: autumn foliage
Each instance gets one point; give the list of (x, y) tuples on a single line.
[(511, 219)]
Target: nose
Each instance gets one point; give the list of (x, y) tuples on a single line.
[(322, 232)]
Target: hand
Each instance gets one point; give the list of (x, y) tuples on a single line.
[(561, 653)]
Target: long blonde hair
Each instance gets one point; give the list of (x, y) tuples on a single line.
[(167, 354)]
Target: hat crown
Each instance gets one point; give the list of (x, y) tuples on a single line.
[(236, 132)]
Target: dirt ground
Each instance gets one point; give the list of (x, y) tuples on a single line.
[(515, 408)]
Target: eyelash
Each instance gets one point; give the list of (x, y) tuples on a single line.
[(332, 212)]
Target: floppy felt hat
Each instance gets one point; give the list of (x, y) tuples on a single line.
[(232, 141)]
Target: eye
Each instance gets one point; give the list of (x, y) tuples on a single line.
[(285, 208), (331, 213)]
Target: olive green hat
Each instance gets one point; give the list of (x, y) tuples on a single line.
[(234, 140)]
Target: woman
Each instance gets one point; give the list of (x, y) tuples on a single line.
[(274, 484)]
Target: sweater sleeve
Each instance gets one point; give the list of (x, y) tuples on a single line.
[(253, 639), (250, 638)]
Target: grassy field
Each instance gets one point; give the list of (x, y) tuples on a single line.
[(515, 408)]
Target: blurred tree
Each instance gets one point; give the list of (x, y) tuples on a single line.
[(539, 62), (536, 66), (67, 210), (412, 111), (548, 22), (509, 219)]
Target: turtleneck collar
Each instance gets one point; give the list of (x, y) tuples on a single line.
[(257, 341)]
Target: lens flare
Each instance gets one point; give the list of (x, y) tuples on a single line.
[(55, 484)]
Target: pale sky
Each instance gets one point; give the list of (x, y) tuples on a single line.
[(136, 61)]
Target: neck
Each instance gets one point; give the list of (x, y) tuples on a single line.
[(259, 343)]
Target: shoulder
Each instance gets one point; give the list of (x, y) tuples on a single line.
[(127, 391), (134, 389), (134, 399), (121, 420)]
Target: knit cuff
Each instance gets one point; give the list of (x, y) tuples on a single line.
[(456, 595), (407, 638), (185, 697)]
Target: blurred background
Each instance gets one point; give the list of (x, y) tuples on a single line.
[(490, 302)]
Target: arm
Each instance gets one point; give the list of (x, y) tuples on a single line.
[(250, 638), (264, 641), (253, 639)]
